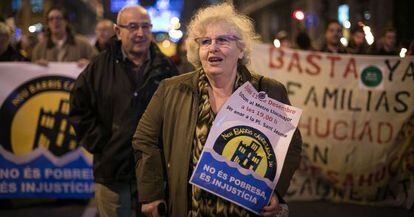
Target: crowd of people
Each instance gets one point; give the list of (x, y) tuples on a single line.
[(146, 126), (331, 43), (59, 42)]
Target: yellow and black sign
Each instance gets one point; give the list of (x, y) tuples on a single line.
[(36, 115), (249, 148)]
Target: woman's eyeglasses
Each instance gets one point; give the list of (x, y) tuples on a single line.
[(222, 40)]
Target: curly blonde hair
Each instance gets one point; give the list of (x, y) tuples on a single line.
[(221, 13)]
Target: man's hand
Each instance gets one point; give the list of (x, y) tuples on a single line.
[(150, 209), (272, 209)]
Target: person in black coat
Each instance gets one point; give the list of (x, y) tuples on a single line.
[(107, 101)]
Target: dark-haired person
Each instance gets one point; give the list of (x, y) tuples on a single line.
[(61, 44), (303, 41), (357, 44), (333, 35), (387, 45)]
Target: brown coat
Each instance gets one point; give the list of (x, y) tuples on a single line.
[(74, 50), (171, 117)]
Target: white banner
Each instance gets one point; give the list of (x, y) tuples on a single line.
[(357, 123), (246, 148)]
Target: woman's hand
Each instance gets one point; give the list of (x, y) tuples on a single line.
[(272, 209), (42, 62), (151, 209)]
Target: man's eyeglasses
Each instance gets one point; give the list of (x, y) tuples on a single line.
[(131, 27), (222, 40)]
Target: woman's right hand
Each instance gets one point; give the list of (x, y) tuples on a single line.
[(151, 209)]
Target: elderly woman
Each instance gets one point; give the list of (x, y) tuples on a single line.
[(174, 128)]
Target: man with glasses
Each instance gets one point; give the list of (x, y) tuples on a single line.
[(61, 44), (107, 101)]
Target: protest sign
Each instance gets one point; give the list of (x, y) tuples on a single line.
[(246, 147)]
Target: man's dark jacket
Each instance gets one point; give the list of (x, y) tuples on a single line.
[(106, 105)]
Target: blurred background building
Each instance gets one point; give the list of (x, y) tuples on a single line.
[(273, 16)]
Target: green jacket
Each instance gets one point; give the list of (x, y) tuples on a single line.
[(170, 120)]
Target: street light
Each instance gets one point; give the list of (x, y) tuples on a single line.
[(298, 14)]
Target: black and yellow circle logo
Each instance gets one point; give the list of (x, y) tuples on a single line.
[(249, 148), (36, 115)]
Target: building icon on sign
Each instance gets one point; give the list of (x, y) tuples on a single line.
[(246, 155), (54, 132)]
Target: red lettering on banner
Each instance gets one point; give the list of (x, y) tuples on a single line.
[(315, 171), (276, 62), (351, 68), (365, 180), (327, 127), (332, 176), (333, 59), (349, 180), (352, 130), (335, 130), (381, 132), (366, 131), (378, 174), (294, 62), (310, 59), (311, 63)]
